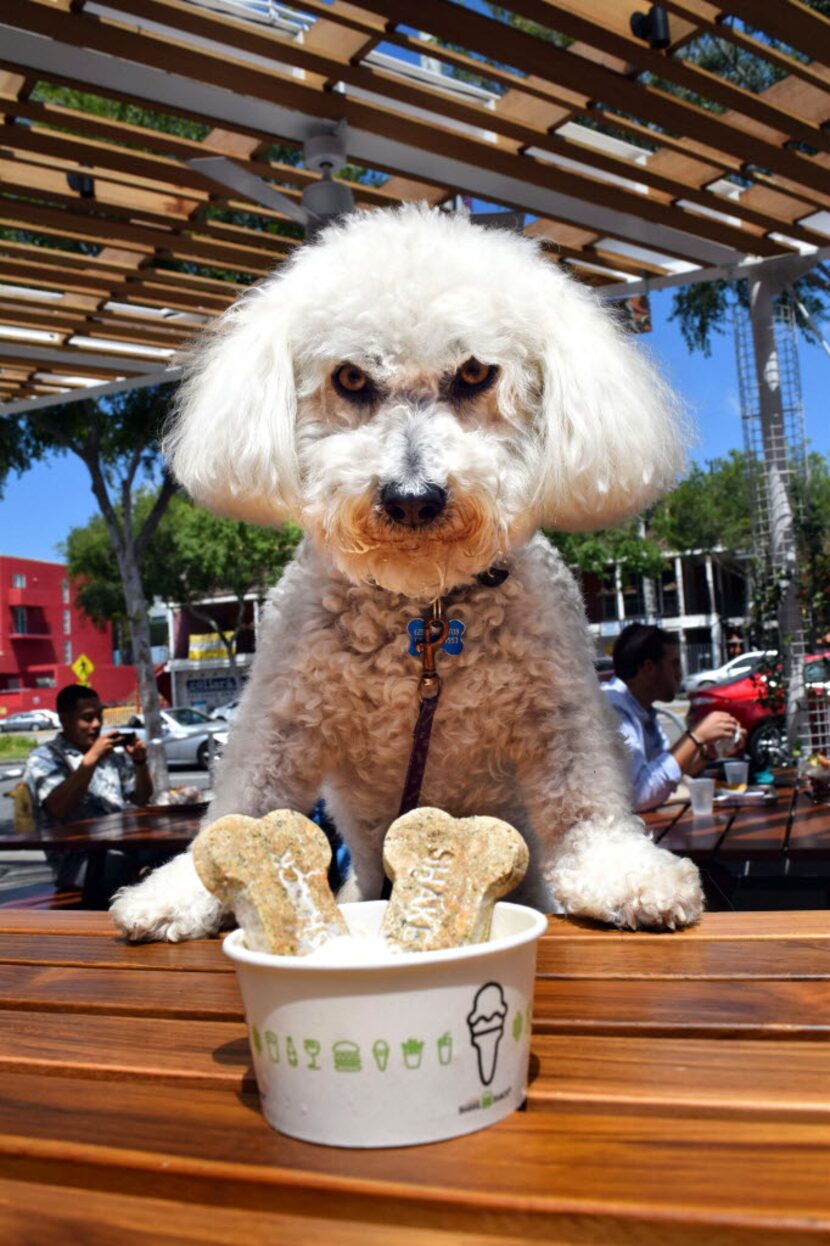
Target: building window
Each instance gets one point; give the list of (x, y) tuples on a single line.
[(19, 625), (65, 592), (67, 652), (67, 622), (18, 581)]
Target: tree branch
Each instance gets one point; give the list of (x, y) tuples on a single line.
[(165, 493)]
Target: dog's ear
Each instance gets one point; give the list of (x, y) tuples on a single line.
[(611, 428), (231, 440)]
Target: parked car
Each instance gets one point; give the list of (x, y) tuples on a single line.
[(226, 711), (604, 667), (757, 701), (736, 668), (187, 735), (31, 720)]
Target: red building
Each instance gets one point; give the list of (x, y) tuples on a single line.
[(42, 633)]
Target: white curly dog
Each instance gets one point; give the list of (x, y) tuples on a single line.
[(422, 395)]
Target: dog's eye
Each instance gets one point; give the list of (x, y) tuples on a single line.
[(473, 377), (352, 382)]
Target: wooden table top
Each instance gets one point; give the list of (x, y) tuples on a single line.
[(680, 1094), (791, 826), (173, 826)]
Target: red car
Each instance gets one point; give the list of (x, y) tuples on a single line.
[(757, 701)]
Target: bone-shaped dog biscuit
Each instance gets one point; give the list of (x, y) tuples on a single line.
[(273, 873), (447, 874)]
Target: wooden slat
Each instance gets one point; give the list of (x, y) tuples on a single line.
[(707, 1074), (693, 1009), (108, 951), (53, 1215), (600, 1161), (181, 996), (665, 957)]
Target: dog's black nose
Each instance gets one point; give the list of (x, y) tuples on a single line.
[(410, 509)]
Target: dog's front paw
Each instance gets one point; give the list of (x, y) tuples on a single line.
[(665, 896), (621, 877), (171, 904)]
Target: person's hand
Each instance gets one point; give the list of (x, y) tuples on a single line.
[(137, 751), (720, 726), (102, 747)]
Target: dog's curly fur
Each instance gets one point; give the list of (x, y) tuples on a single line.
[(575, 430)]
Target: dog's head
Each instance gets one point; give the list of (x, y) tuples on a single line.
[(421, 394)]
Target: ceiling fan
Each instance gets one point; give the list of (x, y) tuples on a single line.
[(324, 201), (320, 203)]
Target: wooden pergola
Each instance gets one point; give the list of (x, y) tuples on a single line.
[(114, 250)]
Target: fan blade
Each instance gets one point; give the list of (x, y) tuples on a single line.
[(248, 185)]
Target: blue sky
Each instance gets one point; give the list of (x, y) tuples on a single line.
[(39, 508)]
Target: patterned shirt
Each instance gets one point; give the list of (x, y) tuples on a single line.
[(654, 771), (111, 787)]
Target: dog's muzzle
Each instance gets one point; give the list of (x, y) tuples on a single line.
[(413, 509)]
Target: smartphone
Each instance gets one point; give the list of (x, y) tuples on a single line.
[(125, 737)]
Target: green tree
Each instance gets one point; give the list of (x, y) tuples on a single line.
[(708, 508), (192, 556), (206, 556), (116, 439)]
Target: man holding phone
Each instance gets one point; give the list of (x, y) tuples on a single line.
[(83, 773)]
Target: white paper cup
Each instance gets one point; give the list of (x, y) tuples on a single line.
[(431, 1046), (735, 773), (702, 792)]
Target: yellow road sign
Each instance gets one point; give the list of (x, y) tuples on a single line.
[(82, 668)]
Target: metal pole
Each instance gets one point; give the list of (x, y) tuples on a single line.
[(777, 469)]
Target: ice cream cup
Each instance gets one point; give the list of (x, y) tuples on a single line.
[(404, 1050)]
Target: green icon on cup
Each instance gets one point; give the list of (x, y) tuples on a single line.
[(291, 1053), (444, 1045), (346, 1057), (256, 1041), (413, 1050), (518, 1025), (273, 1046), (380, 1053), (312, 1050)]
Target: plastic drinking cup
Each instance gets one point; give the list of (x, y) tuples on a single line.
[(735, 773), (703, 794)]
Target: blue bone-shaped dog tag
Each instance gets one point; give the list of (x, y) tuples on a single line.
[(452, 645)]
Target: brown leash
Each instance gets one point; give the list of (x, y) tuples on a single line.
[(436, 630)]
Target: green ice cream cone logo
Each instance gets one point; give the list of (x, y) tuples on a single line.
[(486, 1025), (380, 1054), (412, 1051)]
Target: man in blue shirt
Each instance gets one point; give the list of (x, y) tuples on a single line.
[(647, 669)]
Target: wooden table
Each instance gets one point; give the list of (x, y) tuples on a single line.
[(793, 826), (680, 1094), (170, 827)]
